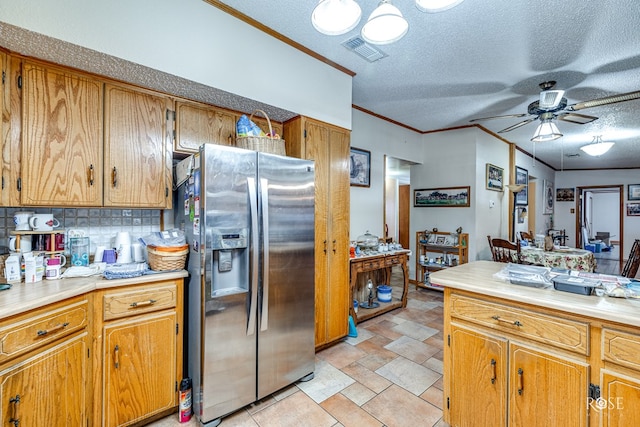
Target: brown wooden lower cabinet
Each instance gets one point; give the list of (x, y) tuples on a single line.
[(139, 336), (44, 366), (511, 364), (110, 357)]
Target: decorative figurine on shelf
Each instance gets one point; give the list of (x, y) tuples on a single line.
[(459, 230), (370, 303)]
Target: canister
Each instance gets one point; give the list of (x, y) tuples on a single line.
[(384, 293)]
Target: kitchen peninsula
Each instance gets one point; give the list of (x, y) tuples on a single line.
[(516, 355)]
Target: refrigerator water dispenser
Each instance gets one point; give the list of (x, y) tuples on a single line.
[(230, 269)]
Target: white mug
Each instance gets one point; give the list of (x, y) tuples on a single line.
[(25, 243), (123, 254), (21, 220), (43, 222)]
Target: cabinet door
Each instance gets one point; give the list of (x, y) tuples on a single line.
[(198, 124), (47, 389), (137, 170), (338, 234), (139, 368), (317, 149), (478, 380), (619, 401), (61, 138), (546, 390)]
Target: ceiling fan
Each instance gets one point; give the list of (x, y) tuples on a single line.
[(552, 105)]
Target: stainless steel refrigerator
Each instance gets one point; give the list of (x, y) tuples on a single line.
[(249, 220)]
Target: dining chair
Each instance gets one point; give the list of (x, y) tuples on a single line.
[(504, 251), (631, 267), (528, 236)]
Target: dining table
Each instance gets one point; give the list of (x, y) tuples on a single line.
[(562, 257)]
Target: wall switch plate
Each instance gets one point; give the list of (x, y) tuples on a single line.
[(491, 203)]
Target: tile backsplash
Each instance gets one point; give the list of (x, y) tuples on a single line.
[(100, 225)]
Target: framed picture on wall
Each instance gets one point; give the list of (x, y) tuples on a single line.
[(547, 197), (522, 177), (360, 167), (445, 197), (633, 209), (494, 177), (565, 194), (633, 192)]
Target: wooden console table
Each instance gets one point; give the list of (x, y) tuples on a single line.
[(378, 268)]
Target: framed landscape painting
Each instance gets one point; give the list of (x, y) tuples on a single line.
[(446, 197)]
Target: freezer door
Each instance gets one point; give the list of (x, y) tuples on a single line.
[(286, 316), (229, 212)]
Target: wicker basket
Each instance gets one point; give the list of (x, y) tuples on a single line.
[(265, 144), (165, 258)]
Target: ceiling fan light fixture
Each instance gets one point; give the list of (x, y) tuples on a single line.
[(597, 147), (546, 131), (434, 6), (335, 17), (385, 25)]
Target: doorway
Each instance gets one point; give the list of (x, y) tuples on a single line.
[(397, 200), (600, 219)]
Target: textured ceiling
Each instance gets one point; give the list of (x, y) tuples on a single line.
[(487, 57), (481, 58)]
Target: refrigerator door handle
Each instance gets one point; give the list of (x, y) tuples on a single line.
[(253, 306), (264, 191)]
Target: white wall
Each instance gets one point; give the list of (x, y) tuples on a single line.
[(379, 137), (196, 41), (567, 179), (538, 172)]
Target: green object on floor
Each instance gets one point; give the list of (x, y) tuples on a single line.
[(353, 333)]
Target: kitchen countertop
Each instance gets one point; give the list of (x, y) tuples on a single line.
[(23, 297), (478, 277)]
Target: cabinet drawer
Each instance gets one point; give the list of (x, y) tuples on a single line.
[(42, 326), (393, 260), (369, 265), (563, 333), (620, 347), (133, 301)]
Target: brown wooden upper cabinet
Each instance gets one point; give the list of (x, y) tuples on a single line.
[(137, 160), (198, 124), (61, 161)]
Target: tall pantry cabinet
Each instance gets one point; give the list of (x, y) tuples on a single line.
[(328, 146)]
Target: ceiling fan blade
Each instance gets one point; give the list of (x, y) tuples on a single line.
[(581, 119), (497, 117), (517, 125), (629, 96)]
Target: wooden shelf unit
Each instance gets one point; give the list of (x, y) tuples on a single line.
[(52, 240), (461, 251)]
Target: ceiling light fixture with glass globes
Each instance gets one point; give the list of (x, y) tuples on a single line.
[(385, 24)]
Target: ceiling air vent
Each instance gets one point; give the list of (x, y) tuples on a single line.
[(358, 45)]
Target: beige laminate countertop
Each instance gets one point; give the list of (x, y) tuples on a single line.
[(477, 277), (23, 297)]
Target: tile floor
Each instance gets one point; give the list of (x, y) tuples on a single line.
[(390, 375)]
